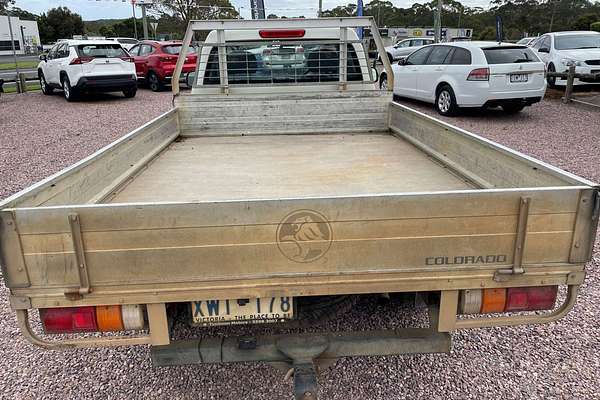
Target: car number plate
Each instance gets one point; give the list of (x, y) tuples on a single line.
[(242, 311), (519, 77)]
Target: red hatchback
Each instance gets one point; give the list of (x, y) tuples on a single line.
[(155, 62)]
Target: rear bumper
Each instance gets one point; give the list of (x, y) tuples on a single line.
[(478, 98), (524, 101), (106, 83), (167, 72)]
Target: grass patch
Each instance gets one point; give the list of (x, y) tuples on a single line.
[(22, 64), (33, 86)]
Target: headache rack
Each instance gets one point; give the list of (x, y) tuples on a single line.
[(282, 54)]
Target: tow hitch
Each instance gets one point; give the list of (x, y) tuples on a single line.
[(302, 352)]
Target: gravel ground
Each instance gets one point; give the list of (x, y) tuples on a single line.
[(559, 360)]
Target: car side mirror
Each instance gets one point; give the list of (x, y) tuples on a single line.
[(43, 57), (402, 61), (544, 50)]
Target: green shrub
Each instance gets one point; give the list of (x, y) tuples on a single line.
[(595, 26)]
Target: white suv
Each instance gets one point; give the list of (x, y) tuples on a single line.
[(78, 66), (404, 47), (561, 49), (471, 74)]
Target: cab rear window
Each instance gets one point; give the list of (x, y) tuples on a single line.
[(509, 55), (101, 50)]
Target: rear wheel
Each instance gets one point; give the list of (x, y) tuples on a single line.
[(47, 90), (445, 101), (154, 82), (551, 79), (316, 309), (68, 91), (129, 93), (513, 108)]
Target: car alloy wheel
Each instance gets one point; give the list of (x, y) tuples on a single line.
[(66, 89), (444, 101)]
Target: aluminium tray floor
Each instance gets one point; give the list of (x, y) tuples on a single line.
[(286, 166)]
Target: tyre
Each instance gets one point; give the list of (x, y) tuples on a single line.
[(512, 108), (130, 93), (317, 309), (383, 83), (68, 91), (445, 101), (154, 82), (47, 90), (551, 79)]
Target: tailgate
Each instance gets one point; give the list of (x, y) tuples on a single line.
[(514, 69), (175, 252)]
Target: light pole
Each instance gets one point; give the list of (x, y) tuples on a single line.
[(14, 51), (437, 22), (134, 21)]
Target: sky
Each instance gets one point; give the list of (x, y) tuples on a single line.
[(104, 9)]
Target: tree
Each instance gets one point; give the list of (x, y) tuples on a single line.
[(5, 3), (107, 31), (595, 26), (125, 27), (186, 10), (59, 23)]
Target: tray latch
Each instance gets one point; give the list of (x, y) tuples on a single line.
[(84, 280), (517, 268)]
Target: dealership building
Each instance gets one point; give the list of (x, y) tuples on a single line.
[(26, 36)]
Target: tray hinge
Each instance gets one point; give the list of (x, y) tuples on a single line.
[(517, 268), (84, 281)]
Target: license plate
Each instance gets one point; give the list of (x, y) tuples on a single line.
[(242, 311), (519, 77)]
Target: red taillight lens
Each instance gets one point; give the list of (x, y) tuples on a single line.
[(128, 59), (69, 320), (281, 33), (81, 60), (479, 74), (531, 298), (168, 59)]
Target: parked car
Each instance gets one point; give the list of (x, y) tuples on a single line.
[(528, 41), (79, 66), (155, 62), (127, 43), (404, 47), (561, 49), (471, 74)]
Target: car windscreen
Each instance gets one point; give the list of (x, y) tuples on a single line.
[(282, 62), (509, 55), (101, 50), (570, 42), (175, 49)]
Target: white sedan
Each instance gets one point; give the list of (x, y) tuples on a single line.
[(471, 74), (561, 49)]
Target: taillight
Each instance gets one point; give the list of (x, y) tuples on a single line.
[(531, 298), (168, 59), (92, 319), (69, 320), (478, 301), (128, 59), (281, 33), (81, 60), (479, 74)]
